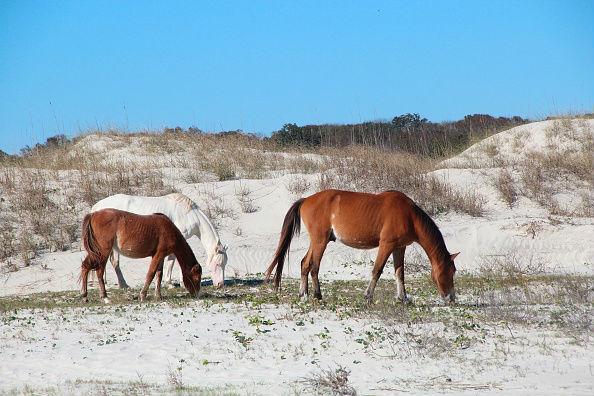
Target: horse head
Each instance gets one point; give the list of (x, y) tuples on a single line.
[(442, 273), (193, 279)]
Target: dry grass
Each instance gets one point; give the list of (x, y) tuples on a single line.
[(46, 193), (565, 166), (174, 377), (224, 168), (374, 170), (244, 197), (506, 187), (511, 267), (330, 381), (298, 186), (48, 190), (217, 209)]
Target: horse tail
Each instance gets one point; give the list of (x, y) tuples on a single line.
[(90, 244), (291, 227)]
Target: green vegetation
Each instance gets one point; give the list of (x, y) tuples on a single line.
[(408, 132), (518, 298), (106, 387)]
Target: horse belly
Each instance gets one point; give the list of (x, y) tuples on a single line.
[(357, 240), (134, 249)]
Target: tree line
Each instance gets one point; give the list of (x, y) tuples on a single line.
[(407, 132)]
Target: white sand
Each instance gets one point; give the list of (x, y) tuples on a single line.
[(65, 345)]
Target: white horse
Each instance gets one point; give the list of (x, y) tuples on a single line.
[(186, 216)]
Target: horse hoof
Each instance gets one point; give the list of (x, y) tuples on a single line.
[(304, 298), (124, 286), (141, 297), (106, 300)]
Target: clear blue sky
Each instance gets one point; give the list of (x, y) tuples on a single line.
[(67, 66)]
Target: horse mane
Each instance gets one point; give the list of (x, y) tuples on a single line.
[(192, 207), (431, 231), (184, 254), (183, 200)]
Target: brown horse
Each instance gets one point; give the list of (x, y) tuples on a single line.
[(390, 221), (136, 236)]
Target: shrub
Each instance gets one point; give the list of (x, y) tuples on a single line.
[(328, 381), (505, 185)]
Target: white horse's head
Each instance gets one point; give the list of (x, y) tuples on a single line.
[(218, 261)]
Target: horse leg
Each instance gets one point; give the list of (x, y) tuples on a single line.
[(115, 262), (169, 271), (305, 268), (100, 279), (93, 278), (181, 273), (157, 259), (316, 258), (158, 284), (398, 256), (84, 277), (380, 261)]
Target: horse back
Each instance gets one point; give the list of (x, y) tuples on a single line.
[(357, 204), (359, 219), (134, 235)]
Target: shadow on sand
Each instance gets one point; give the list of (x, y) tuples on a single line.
[(236, 282)]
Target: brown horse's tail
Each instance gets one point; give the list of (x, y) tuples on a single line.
[(90, 244), (291, 227)]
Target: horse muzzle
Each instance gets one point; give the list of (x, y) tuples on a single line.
[(449, 298)]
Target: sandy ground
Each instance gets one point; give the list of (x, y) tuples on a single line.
[(50, 348), (124, 345)]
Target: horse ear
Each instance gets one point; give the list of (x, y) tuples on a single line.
[(453, 256)]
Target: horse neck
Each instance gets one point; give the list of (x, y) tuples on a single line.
[(208, 234), (430, 238), (183, 253)]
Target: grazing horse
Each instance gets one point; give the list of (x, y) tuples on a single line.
[(136, 236), (186, 216), (390, 221)]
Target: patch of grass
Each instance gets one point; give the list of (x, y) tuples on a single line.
[(298, 186), (341, 296), (330, 381), (242, 338), (175, 377), (565, 165), (504, 183), (246, 203), (374, 170), (223, 168), (132, 388)]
